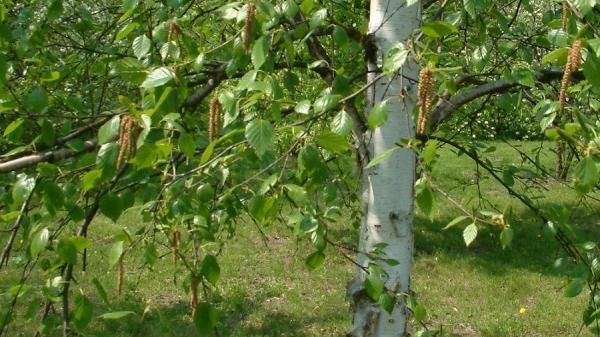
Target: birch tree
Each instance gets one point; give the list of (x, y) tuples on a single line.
[(204, 116), (388, 188)]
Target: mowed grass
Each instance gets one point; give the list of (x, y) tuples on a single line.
[(265, 288)]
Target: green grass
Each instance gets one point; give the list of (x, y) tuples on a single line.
[(267, 290)]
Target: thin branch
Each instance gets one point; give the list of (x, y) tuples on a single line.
[(23, 213)]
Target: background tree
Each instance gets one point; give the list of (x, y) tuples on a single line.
[(204, 113)]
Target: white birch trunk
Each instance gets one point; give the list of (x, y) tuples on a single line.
[(388, 188)]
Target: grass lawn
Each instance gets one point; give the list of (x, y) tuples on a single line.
[(267, 290)]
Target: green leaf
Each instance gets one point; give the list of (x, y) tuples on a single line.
[(387, 302), (333, 142), (159, 76), (91, 179), (101, 291), (574, 288), (39, 242), (469, 234), (546, 113), (297, 193), (259, 134), (48, 133), (205, 319), (378, 115), (380, 158), (129, 7), (116, 315), (524, 77), (114, 253), (437, 29), (430, 152), (126, 30), (374, 286), (456, 221), (315, 260), (586, 175), (591, 70), (111, 206), (584, 6), (80, 243), (596, 266), (259, 52), (506, 237), (53, 197), (395, 58), (342, 123), (318, 18), (67, 251), (303, 107), (208, 152), (187, 144), (420, 313), (141, 46), (425, 198), (307, 6), (326, 103), (10, 216), (36, 100), (170, 50), (290, 8), (209, 268), (109, 131), (14, 126), (55, 10), (475, 7), (82, 312), (558, 56), (22, 188)]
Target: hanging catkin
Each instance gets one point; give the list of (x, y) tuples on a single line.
[(250, 15), (425, 99), (214, 118), (121, 274), (176, 240), (127, 133), (194, 294), (573, 62), (565, 15)]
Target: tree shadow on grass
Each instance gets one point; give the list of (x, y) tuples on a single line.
[(240, 316), (533, 248)]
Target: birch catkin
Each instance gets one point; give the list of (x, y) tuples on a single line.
[(121, 274), (250, 15), (425, 99), (565, 15), (573, 62), (214, 118), (176, 240), (127, 132), (194, 294)]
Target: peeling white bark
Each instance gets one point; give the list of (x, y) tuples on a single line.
[(388, 188)]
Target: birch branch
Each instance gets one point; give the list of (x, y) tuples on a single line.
[(446, 107), (46, 157)]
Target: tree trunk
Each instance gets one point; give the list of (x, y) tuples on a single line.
[(388, 195)]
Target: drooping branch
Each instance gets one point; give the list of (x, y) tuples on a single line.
[(23, 213), (446, 107), (46, 157), (566, 243)]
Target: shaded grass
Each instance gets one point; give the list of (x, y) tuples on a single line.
[(267, 291)]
